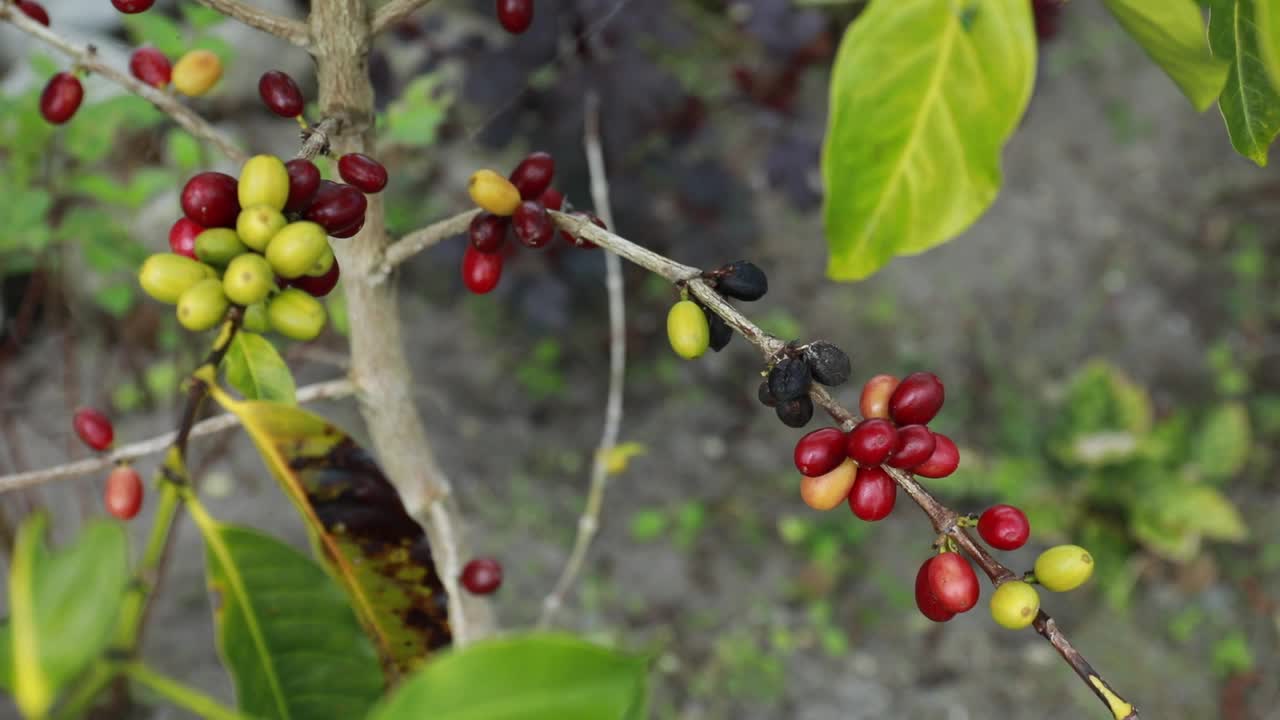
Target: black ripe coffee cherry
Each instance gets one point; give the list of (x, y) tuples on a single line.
[(742, 280), (789, 379), (795, 413), (828, 363), (721, 333), (765, 397)]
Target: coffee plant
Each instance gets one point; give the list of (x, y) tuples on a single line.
[(910, 159)]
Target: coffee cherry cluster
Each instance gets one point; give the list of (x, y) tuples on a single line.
[(481, 576), (516, 205), (786, 386), (692, 327), (515, 15)]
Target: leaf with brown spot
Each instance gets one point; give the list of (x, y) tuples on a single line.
[(358, 525)]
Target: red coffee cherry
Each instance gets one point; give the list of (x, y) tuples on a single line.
[(151, 67), (515, 15), (349, 231), (61, 98), (819, 452), (928, 604), (482, 576), (874, 402), (551, 199), (1004, 527), (318, 286), (35, 11), (874, 494), (363, 172), (533, 175), (583, 242), (532, 224), (915, 445), (337, 206), (953, 582), (872, 441), (133, 7), (182, 237), (917, 399), (488, 232), (280, 94), (93, 427), (481, 271), (943, 461), (210, 200), (123, 495), (304, 181)]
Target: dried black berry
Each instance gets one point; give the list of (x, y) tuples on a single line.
[(828, 363), (795, 413), (766, 398), (789, 379), (721, 333), (741, 280)]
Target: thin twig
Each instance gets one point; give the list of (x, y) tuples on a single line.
[(393, 12), (288, 29), (127, 453), (419, 240), (315, 139), (86, 56), (589, 522)]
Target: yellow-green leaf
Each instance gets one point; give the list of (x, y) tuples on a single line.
[(1268, 14), (359, 526), (255, 368), (924, 94), (619, 456), (1250, 104), (1173, 34), (1172, 522), (1221, 448)]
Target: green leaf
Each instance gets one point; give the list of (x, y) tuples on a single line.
[(1173, 34), (1172, 521), (1249, 103), (115, 299), (359, 527), (98, 126), (527, 677), (157, 30), (200, 17), (924, 95), (415, 117), (141, 186), (1221, 448), (255, 369), (183, 150), (54, 632), (23, 215), (1268, 16), (285, 631), (1104, 418)]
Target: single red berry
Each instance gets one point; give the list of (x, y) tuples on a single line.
[(123, 496), (210, 200), (943, 461), (337, 206), (820, 451), (482, 576), (533, 175), (583, 242), (928, 604), (953, 582), (35, 11), (874, 493), (915, 445), (874, 402), (182, 237), (515, 15), (280, 94), (917, 399), (872, 441), (304, 180), (61, 98), (488, 232), (1004, 527), (481, 271), (133, 7), (532, 224), (350, 230), (150, 66), (318, 286), (363, 172), (551, 199), (93, 427)]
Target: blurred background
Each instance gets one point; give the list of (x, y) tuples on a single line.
[(1109, 334)]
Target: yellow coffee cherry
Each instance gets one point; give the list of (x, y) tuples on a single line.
[(196, 73), (202, 306), (264, 180), (248, 279), (296, 248), (296, 315), (255, 317), (493, 192), (217, 246), (258, 224), (1014, 604), (322, 265), (165, 276), (688, 330), (829, 490), (1064, 567)]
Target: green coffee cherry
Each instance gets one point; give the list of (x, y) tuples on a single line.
[(322, 265), (296, 248), (296, 315), (202, 306), (1064, 567), (255, 318), (688, 330), (165, 276), (1014, 604), (248, 279), (217, 246), (263, 181), (258, 224)]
